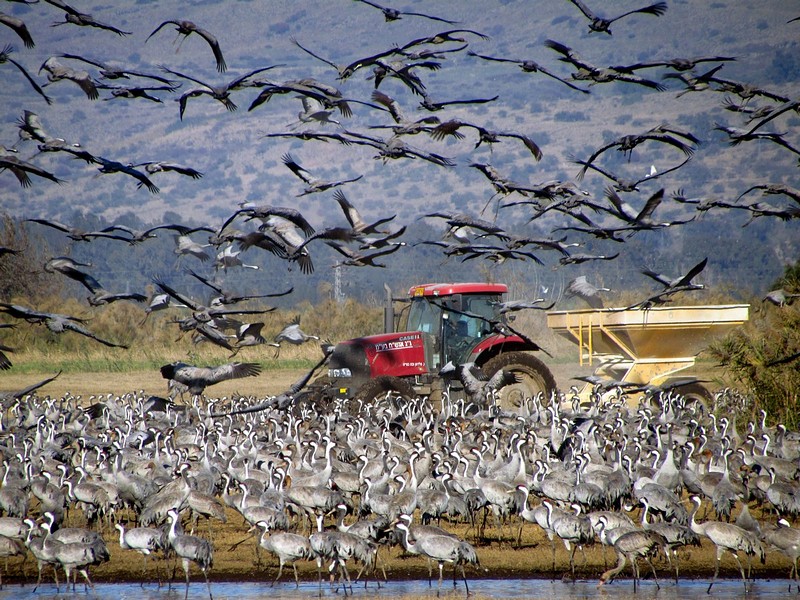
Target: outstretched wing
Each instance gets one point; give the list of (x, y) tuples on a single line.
[(234, 371), (77, 328), (175, 294)]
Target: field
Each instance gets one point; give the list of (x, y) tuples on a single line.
[(235, 547)]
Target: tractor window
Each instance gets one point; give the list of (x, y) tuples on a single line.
[(463, 330), (482, 307), (424, 316)]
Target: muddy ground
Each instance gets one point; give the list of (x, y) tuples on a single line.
[(236, 560)]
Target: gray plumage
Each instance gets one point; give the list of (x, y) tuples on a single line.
[(727, 537), (476, 382), (198, 378), (575, 530), (55, 322), (786, 540), (780, 297), (190, 549), (442, 549), (631, 546), (292, 334), (10, 547), (288, 547), (581, 287), (354, 217), (76, 552), (675, 536)]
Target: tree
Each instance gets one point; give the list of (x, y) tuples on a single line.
[(21, 274), (764, 355)]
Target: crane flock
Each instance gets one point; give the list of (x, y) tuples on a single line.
[(336, 483)]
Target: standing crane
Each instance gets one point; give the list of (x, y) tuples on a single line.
[(442, 549), (786, 540), (574, 530), (190, 549), (632, 546), (288, 547), (144, 540), (75, 553), (727, 537)]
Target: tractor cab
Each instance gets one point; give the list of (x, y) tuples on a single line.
[(458, 317)]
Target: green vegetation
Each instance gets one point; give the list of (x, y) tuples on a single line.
[(764, 356)]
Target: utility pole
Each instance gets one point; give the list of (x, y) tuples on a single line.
[(338, 297)]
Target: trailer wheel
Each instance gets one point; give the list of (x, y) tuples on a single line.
[(535, 378), (695, 392), (384, 385)]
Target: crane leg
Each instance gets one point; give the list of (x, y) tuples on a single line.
[(716, 570), (676, 566), (653, 568), (571, 549), (186, 571), (741, 570), (87, 582), (464, 577), (208, 584)]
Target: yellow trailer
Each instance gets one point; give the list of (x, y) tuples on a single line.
[(645, 346)]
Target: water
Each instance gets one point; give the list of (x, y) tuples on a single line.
[(487, 588)]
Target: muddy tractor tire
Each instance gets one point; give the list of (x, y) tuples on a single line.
[(384, 385), (534, 378)]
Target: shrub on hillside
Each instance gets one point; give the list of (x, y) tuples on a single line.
[(764, 355)]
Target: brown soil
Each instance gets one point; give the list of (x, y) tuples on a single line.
[(272, 381), (235, 559)]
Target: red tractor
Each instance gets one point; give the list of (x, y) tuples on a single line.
[(440, 323)]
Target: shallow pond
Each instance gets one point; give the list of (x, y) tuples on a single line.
[(486, 588)]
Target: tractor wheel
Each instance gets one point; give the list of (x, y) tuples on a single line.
[(534, 376), (383, 386), (318, 393)]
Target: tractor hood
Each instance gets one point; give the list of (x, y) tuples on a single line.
[(396, 354)]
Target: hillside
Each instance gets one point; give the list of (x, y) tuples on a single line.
[(240, 165)]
